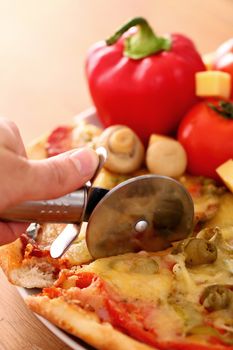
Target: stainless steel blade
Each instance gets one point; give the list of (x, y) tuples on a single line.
[(63, 241), (144, 213)]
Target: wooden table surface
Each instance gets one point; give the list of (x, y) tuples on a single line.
[(42, 84)]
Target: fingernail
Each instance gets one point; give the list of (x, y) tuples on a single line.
[(86, 161)]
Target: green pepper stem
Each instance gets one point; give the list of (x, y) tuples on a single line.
[(141, 44), (132, 23)]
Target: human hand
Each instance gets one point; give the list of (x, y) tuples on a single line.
[(22, 179)]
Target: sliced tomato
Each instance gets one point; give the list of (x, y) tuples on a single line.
[(30, 248), (129, 318), (84, 279), (124, 321), (59, 141), (195, 189), (52, 292)]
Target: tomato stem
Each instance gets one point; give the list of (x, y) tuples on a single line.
[(223, 108)]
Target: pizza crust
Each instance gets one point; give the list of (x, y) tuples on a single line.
[(11, 256), (40, 272), (83, 324), (27, 273)]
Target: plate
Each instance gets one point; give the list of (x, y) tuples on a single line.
[(88, 115)]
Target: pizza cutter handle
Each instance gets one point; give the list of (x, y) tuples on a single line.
[(67, 209)]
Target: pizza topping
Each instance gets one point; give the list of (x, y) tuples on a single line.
[(216, 297), (209, 233), (119, 272), (59, 141), (34, 250), (125, 150), (84, 134), (199, 251), (67, 137), (167, 308), (166, 156), (205, 194), (214, 334), (85, 279), (142, 265), (25, 239), (222, 238), (31, 248), (52, 292)]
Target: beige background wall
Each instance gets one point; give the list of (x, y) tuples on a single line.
[(43, 44)]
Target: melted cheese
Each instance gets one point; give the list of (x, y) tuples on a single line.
[(170, 297), (192, 281), (149, 287), (224, 215), (78, 252)]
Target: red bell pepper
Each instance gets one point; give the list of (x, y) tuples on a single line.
[(141, 80)]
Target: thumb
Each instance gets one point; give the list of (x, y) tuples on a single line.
[(57, 176)]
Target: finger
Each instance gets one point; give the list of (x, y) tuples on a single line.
[(56, 176), (9, 232), (10, 137)]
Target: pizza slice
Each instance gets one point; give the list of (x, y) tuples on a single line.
[(181, 298), (27, 261)]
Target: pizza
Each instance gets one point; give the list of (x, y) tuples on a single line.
[(180, 298)]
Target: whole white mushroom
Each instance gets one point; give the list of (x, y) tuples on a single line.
[(166, 156), (125, 150)]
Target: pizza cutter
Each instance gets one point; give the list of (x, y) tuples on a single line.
[(147, 212)]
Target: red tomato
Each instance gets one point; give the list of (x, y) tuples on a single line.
[(128, 323), (224, 59), (85, 279), (52, 292), (207, 137)]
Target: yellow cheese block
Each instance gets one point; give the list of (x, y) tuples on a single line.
[(225, 171), (213, 84)]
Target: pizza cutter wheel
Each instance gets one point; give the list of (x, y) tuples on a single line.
[(144, 213)]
